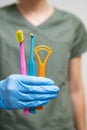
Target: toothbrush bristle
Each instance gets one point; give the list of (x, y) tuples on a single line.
[(19, 36), (31, 35)]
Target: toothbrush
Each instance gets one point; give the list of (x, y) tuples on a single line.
[(20, 39), (31, 65)]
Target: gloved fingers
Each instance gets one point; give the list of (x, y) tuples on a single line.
[(32, 80), (24, 104), (49, 89), (31, 104), (35, 97)]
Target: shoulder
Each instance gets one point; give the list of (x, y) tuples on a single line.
[(69, 17), (6, 18), (6, 12), (66, 14), (6, 9)]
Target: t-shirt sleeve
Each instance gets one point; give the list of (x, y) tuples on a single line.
[(79, 44)]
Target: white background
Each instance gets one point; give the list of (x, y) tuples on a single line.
[(79, 8)]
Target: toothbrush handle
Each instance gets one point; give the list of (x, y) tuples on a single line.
[(22, 60), (23, 69), (31, 72), (31, 68)]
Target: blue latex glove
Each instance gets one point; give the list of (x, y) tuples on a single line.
[(20, 91)]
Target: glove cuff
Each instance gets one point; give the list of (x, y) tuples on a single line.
[(2, 105)]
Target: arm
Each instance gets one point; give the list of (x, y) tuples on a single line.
[(77, 93)]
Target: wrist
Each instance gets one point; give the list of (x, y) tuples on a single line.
[(2, 106), (0, 102)]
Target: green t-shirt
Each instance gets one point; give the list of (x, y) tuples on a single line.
[(67, 37)]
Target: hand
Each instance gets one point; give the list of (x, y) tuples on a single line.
[(20, 91)]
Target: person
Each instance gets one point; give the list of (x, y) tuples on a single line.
[(66, 35)]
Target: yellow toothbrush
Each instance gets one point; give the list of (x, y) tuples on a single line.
[(20, 40)]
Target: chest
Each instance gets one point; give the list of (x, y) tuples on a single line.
[(57, 64)]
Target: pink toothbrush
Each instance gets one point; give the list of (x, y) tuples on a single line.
[(20, 39)]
